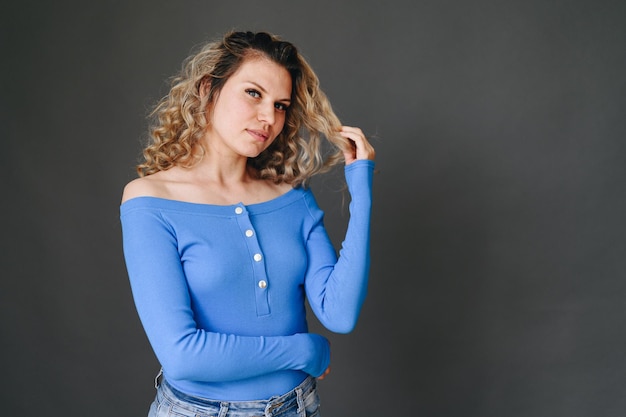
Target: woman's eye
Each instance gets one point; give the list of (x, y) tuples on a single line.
[(253, 93), (281, 106)]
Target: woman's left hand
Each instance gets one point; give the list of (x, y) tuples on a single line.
[(360, 149)]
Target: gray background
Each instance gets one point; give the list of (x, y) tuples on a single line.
[(498, 252)]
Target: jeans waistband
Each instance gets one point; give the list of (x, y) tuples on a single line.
[(269, 406)]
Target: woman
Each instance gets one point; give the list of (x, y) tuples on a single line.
[(223, 240)]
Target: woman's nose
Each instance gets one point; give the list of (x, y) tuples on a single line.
[(266, 113)]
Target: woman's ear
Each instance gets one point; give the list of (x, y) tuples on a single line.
[(205, 87)]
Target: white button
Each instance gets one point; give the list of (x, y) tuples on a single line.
[(249, 233), (257, 257), (238, 210), (262, 284)]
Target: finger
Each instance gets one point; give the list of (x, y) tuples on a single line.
[(362, 149), (326, 372)]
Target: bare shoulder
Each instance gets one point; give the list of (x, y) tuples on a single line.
[(284, 187), (150, 186)]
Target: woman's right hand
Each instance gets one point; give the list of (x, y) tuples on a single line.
[(326, 372), (318, 364)]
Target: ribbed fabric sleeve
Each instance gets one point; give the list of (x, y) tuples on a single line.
[(335, 288)]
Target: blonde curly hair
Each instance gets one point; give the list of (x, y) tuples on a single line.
[(298, 153)]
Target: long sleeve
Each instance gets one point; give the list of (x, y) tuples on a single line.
[(336, 288)]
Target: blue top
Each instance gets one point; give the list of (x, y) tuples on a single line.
[(220, 289)]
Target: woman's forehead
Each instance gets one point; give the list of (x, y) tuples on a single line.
[(267, 73)]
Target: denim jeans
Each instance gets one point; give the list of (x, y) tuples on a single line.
[(302, 401)]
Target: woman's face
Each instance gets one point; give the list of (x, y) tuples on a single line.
[(249, 112)]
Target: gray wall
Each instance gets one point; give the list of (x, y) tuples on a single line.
[(498, 252)]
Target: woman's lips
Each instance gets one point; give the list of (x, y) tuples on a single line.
[(260, 135)]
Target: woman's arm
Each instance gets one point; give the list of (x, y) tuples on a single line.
[(336, 288)]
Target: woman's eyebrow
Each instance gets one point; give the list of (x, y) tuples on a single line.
[(263, 90)]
